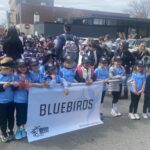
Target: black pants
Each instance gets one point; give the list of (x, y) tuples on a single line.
[(21, 113), (116, 95), (146, 105), (134, 103), (102, 98), (6, 117)]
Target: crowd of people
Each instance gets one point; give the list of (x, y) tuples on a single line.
[(32, 61)]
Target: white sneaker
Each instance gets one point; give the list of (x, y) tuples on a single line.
[(148, 114), (131, 116), (137, 116), (145, 116), (118, 113), (114, 113)]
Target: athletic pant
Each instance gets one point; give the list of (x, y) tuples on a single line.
[(6, 117), (146, 105), (134, 103), (102, 98), (21, 113), (116, 95)]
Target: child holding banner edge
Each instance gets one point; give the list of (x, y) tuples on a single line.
[(6, 99), (102, 73), (52, 79), (23, 77), (85, 72)]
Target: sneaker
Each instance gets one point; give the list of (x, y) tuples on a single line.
[(131, 116), (137, 117), (145, 116), (118, 113), (11, 136), (24, 133), (18, 135), (4, 139), (114, 113)]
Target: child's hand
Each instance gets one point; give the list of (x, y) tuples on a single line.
[(105, 81), (88, 82), (30, 84), (53, 76), (15, 84), (5, 85), (46, 84), (66, 92), (69, 84), (136, 93), (140, 92)]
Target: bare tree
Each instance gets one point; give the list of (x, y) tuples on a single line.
[(139, 8)]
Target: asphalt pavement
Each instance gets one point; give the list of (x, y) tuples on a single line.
[(119, 133)]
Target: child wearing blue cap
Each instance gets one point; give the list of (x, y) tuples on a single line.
[(23, 78), (67, 71), (6, 99), (52, 79), (136, 89), (102, 73)]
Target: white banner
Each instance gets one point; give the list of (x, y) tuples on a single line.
[(51, 112)]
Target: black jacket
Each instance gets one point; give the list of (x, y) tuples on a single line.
[(13, 49)]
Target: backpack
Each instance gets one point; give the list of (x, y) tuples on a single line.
[(70, 48)]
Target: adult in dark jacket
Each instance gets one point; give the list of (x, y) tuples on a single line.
[(12, 45), (94, 54), (60, 41), (127, 62)]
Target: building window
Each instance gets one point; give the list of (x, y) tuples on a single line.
[(98, 21), (111, 22), (87, 21)]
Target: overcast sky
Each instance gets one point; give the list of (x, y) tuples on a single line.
[(101, 5)]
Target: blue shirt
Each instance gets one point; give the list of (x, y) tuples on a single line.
[(67, 74), (36, 77), (138, 79), (102, 74), (7, 95), (119, 71), (54, 82), (21, 95)]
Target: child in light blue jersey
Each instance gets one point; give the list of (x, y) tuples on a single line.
[(102, 73), (136, 89), (53, 79), (68, 70), (37, 78), (6, 99), (23, 77)]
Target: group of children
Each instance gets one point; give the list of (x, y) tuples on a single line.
[(16, 79)]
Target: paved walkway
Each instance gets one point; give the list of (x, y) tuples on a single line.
[(115, 134)]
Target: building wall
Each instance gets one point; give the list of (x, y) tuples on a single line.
[(49, 3), (13, 8), (53, 13), (55, 29), (26, 28)]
